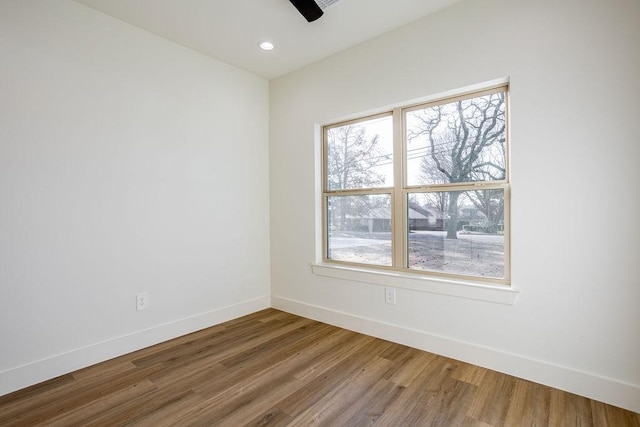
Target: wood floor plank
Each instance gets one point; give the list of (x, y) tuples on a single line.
[(469, 373), (371, 404), (277, 346), (272, 386), (411, 367), (70, 399), (530, 404), (185, 376), (109, 369), (335, 403), (608, 415), (332, 375), (175, 343), (102, 407), (35, 391), (24, 401), (493, 398), (264, 388), (215, 339), (568, 409), (272, 418), (155, 410), (410, 407), (258, 362), (472, 422), (350, 343), (273, 368), (448, 406), (185, 350)]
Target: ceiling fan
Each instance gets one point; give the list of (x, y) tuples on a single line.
[(312, 9)]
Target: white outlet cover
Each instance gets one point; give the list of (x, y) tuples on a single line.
[(142, 301), (390, 295)]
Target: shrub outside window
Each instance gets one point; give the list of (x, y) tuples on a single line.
[(421, 189)]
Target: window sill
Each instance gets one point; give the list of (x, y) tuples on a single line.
[(416, 282)]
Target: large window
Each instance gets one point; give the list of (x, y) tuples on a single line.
[(423, 188)]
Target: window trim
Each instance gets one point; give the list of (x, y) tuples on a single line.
[(401, 190)]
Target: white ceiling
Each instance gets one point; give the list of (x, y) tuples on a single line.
[(230, 30)]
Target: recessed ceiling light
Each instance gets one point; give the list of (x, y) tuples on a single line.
[(265, 45)]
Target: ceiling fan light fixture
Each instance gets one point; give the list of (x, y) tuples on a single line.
[(308, 8)]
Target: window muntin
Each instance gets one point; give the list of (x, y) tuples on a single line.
[(450, 214)]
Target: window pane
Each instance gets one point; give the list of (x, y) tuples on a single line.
[(359, 229), (463, 141), (458, 232), (360, 155)]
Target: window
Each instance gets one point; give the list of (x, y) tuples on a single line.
[(421, 189)]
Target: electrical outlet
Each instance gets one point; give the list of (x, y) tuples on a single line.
[(390, 295), (142, 301)]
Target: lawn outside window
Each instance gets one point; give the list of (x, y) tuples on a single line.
[(422, 189)]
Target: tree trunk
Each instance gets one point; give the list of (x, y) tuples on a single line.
[(452, 225)]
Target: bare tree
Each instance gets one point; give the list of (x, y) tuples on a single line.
[(491, 204), (465, 143), (352, 158), (429, 173)]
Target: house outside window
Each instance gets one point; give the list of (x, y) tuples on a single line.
[(421, 189)]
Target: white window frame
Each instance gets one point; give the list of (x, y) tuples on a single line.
[(491, 289)]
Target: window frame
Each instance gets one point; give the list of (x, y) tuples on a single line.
[(400, 190)]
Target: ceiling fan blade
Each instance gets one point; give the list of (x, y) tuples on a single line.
[(308, 8)]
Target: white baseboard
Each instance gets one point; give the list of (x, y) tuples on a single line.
[(585, 384), (42, 370)]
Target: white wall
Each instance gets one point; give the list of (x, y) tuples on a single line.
[(127, 164), (574, 69)]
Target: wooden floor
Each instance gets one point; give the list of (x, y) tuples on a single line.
[(276, 369)]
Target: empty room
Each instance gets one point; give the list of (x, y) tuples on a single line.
[(332, 212)]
